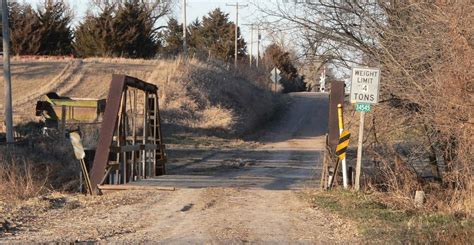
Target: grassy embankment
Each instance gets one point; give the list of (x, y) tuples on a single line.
[(195, 99), (380, 221)]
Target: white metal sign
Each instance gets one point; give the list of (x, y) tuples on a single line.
[(275, 75), (365, 85), (77, 145), (322, 81)]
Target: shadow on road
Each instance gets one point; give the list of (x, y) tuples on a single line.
[(289, 158), (263, 169), (305, 118)]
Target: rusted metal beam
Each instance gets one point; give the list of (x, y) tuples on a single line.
[(139, 84), (336, 97), (119, 142), (107, 129)]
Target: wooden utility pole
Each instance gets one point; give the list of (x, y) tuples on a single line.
[(251, 45), (258, 44), (185, 45), (6, 74), (252, 28), (237, 6)]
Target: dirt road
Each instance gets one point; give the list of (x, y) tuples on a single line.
[(251, 193)]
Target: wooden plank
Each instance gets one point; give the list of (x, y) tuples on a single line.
[(136, 147), (140, 138), (324, 171), (161, 161), (135, 187)]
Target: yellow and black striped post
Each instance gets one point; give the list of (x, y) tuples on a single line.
[(343, 160), (343, 144)]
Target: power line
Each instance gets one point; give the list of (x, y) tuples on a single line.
[(237, 6)]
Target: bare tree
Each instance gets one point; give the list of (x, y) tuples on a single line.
[(425, 51)]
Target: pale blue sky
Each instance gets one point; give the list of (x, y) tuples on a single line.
[(196, 8)]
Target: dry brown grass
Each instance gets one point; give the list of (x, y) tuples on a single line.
[(419, 137), (19, 179), (28, 77), (195, 95), (396, 162), (209, 96), (30, 170), (425, 52)]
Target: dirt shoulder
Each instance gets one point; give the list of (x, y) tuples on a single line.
[(237, 193)]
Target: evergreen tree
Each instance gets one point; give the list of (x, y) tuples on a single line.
[(216, 35), (24, 29), (123, 29), (134, 32), (275, 56), (173, 38), (45, 31), (56, 34), (194, 38), (95, 35)]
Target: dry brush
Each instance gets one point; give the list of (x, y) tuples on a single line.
[(425, 51)]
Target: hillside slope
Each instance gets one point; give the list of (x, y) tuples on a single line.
[(198, 95)]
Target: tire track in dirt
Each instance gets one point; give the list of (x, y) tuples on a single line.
[(72, 81), (61, 80)]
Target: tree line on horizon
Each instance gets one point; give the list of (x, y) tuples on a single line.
[(129, 29), (117, 29)]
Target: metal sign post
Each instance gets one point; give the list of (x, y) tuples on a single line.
[(364, 92), (359, 151)]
